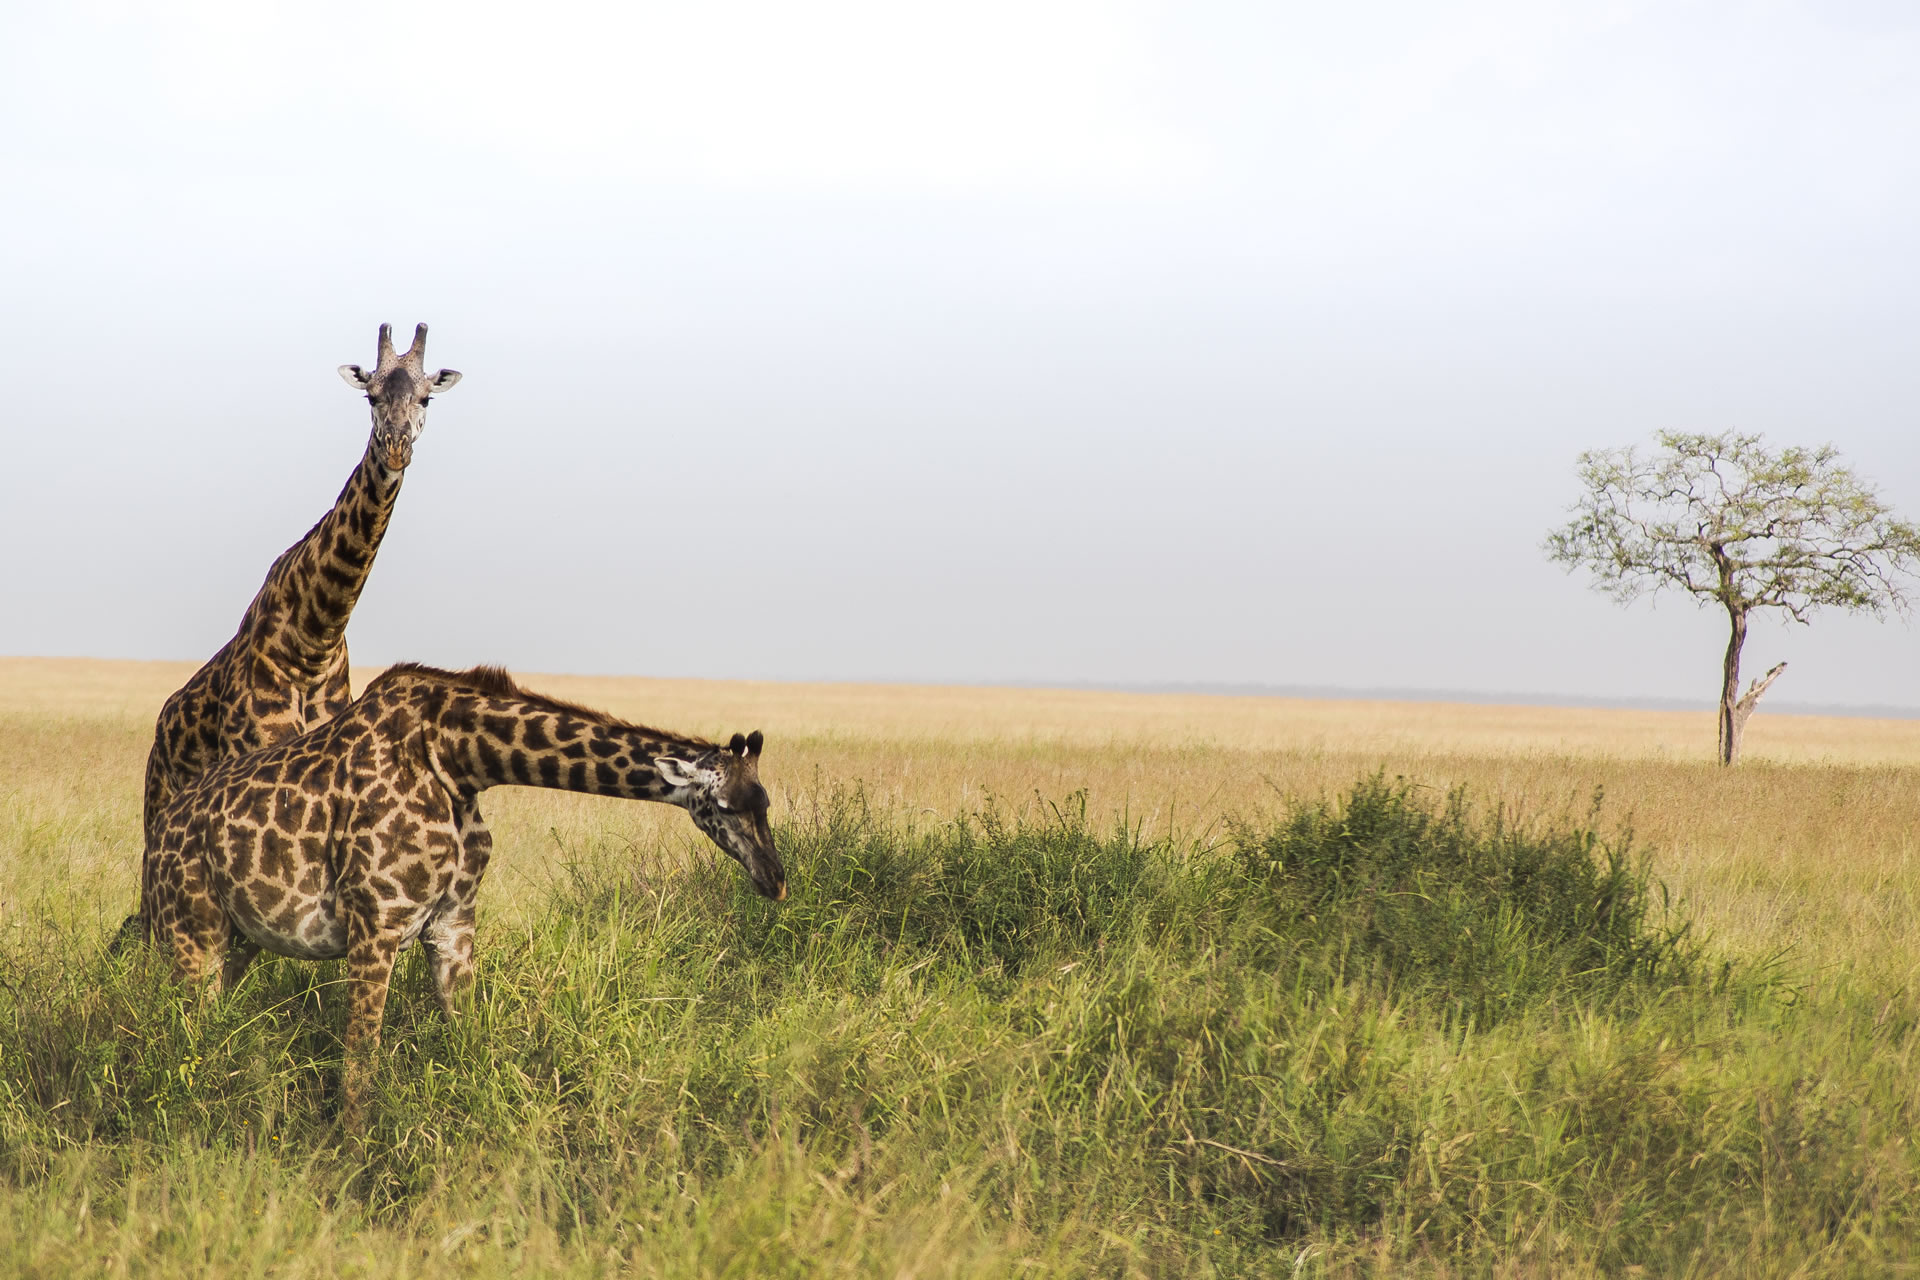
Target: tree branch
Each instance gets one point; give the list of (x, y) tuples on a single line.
[(1744, 707)]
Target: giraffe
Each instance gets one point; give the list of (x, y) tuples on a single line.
[(356, 838), (285, 669)]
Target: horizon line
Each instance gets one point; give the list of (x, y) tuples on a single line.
[(1477, 697), (1244, 689)]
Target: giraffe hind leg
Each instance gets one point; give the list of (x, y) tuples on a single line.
[(194, 954), (241, 953), (132, 933), (449, 946), (449, 936), (182, 922)]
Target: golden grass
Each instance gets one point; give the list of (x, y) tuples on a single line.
[(967, 714), (1808, 845)]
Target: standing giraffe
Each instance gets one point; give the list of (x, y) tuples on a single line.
[(356, 838), (285, 670)]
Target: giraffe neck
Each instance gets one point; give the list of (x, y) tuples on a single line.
[(482, 741), (298, 622)]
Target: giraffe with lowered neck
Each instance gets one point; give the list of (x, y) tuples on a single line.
[(285, 670), (357, 838)]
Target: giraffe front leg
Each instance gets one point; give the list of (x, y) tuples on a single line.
[(449, 938), (369, 977)]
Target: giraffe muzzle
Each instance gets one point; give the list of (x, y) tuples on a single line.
[(396, 451), (768, 876)]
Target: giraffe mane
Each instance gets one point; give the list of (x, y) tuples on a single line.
[(494, 682)]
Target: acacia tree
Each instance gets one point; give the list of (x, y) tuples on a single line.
[(1730, 522)]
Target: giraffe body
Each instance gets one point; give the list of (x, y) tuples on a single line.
[(363, 835), (285, 670)]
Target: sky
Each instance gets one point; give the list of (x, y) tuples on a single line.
[(1050, 341)]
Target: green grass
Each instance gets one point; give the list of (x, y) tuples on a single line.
[(1382, 1036)]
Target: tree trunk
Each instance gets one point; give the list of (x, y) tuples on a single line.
[(1731, 721), (1735, 707)]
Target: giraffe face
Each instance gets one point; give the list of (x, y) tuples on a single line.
[(721, 791), (398, 389), (399, 398)]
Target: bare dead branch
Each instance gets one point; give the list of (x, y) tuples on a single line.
[(1754, 690)]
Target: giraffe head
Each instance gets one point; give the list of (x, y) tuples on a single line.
[(398, 389), (720, 788)]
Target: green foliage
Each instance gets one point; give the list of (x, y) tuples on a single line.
[(1384, 1033), (1486, 920), (1727, 520)]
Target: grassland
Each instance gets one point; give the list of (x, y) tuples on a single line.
[(1071, 983)]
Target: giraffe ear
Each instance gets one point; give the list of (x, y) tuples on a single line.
[(356, 377), (677, 772), (443, 381)]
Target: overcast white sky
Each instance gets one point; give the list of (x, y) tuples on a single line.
[(987, 341)]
